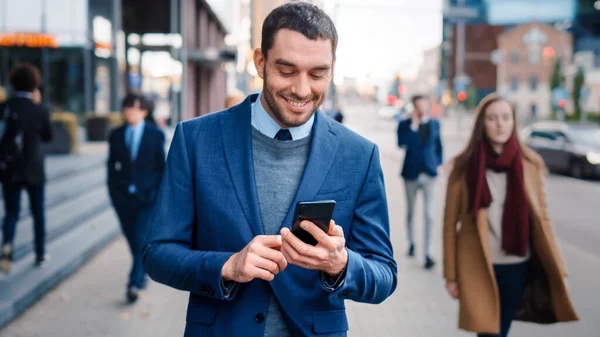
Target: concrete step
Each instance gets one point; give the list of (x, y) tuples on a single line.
[(58, 167), (28, 283), (62, 218), (65, 187)]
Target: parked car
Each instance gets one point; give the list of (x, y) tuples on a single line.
[(567, 148)]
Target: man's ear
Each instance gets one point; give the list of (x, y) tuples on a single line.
[(259, 62)]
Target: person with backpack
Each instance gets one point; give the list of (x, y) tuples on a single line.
[(24, 125)]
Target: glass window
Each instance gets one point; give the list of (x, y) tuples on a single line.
[(533, 82), (514, 83), (514, 57), (65, 91)]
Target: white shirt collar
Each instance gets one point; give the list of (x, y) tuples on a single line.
[(263, 122)]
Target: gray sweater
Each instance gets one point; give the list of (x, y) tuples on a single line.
[(278, 169)]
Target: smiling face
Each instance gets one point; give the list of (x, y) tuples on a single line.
[(296, 76)]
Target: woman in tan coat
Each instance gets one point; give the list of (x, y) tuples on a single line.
[(501, 259)]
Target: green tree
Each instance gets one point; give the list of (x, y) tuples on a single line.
[(555, 82), (471, 101), (578, 83)]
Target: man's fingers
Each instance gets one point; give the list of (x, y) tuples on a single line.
[(315, 231), (336, 230), (272, 241), (300, 247), (262, 274), (293, 257), (272, 255), (266, 264)]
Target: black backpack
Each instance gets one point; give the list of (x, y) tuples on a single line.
[(11, 147)]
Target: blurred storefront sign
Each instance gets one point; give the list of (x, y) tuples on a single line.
[(28, 40)]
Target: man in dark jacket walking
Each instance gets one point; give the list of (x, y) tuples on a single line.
[(31, 123), (135, 166), (421, 137)]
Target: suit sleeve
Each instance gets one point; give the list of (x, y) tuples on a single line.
[(403, 132), (46, 126), (168, 254), (371, 272)]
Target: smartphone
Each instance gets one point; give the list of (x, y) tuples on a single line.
[(317, 212)]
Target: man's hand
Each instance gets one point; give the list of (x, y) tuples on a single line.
[(329, 255), (261, 258), (36, 96), (452, 288)]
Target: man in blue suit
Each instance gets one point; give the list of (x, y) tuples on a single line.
[(135, 165), (420, 136), (221, 222)]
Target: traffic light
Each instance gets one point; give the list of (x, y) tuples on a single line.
[(562, 103), (462, 96), (391, 99), (548, 54), (401, 89)]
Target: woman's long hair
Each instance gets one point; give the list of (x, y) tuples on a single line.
[(461, 161)]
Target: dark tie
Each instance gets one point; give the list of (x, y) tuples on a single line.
[(283, 135)]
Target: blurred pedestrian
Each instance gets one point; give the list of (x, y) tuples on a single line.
[(420, 136), (221, 225), (234, 98), (336, 113), (503, 262), (135, 165), (24, 125)]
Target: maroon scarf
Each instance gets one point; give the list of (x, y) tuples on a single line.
[(515, 219)]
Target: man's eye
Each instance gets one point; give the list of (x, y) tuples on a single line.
[(285, 73)]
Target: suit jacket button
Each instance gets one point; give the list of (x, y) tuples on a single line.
[(344, 293), (259, 318)]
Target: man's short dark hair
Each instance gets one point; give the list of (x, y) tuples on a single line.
[(131, 98), (415, 98), (302, 17), (25, 77)]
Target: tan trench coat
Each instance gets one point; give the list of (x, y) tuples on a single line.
[(467, 259)]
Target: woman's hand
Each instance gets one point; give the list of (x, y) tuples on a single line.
[(453, 290)]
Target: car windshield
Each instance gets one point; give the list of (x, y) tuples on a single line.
[(590, 137)]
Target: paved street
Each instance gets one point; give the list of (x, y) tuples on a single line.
[(91, 302)]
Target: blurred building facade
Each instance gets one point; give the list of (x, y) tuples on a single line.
[(586, 28), (173, 50), (485, 20), (77, 56), (526, 57), (176, 51)]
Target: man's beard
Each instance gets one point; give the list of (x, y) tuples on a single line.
[(275, 109)]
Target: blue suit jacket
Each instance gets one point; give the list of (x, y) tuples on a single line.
[(420, 155), (145, 172), (208, 209)]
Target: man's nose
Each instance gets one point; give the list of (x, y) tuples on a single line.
[(301, 87)]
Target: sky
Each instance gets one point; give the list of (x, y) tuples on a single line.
[(502, 11), (378, 38)]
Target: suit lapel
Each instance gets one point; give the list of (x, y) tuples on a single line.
[(237, 144), (122, 145), (324, 145)]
